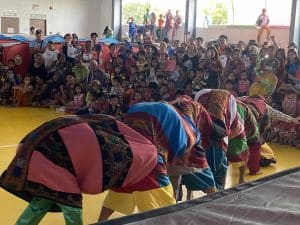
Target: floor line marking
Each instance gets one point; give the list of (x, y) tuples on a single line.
[(7, 146)]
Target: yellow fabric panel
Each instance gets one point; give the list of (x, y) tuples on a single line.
[(266, 151), (144, 200)]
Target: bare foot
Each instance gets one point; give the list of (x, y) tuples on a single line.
[(243, 181)]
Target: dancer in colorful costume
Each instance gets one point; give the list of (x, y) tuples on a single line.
[(68, 156), (178, 130), (256, 114), (222, 107)]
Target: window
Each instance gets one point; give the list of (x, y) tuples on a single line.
[(242, 12), (137, 8)]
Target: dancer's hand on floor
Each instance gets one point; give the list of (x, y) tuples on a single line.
[(296, 120)]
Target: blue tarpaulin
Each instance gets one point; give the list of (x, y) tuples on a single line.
[(109, 41), (55, 38), (19, 38)]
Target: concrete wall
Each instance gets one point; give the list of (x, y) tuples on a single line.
[(244, 33), (234, 33), (74, 16)]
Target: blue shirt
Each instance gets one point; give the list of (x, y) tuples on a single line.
[(38, 44)]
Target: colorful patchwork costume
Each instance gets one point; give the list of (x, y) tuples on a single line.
[(222, 107), (68, 156), (177, 129)]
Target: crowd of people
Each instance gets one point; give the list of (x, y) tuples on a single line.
[(80, 79), (84, 80), (153, 27)]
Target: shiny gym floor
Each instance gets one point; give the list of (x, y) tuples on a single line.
[(15, 123)]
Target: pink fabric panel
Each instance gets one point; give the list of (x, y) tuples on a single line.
[(85, 153), (43, 171), (144, 155)]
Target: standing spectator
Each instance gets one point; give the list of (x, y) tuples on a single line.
[(97, 47), (146, 21), (262, 23), (37, 68), (76, 44), (160, 31), (38, 45), (177, 24), (153, 24), (132, 29), (169, 23), (88, 54), (50, 59), (69, 50)]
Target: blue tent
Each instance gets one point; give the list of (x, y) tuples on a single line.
[(109, 41), (2, 37), (83, 39), (55, 38), (19, 38)]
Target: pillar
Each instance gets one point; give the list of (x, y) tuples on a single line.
[(117, 18), (295, 23), (190, 18)]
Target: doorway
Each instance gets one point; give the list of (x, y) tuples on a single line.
[(39, 24), (10, 25)]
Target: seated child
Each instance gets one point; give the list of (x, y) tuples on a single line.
[(96, 87), (24, 97), (6, 94), (243, 84), (114, 109), (77, 102), (229, 86), (40, 94)]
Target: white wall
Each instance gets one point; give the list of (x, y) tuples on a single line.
[(244, 33), (74, 16), (234, 33)]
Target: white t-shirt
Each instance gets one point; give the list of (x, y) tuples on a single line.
[(49, 57), (72, 51)]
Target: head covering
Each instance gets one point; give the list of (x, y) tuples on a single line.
[(265, 85)]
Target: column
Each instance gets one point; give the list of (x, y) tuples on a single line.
[(190, 18), (117, 18), (295, 23)]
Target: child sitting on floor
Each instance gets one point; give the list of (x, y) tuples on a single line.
[(243, 84), (77, 102), (6, 95), (24, 95)]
